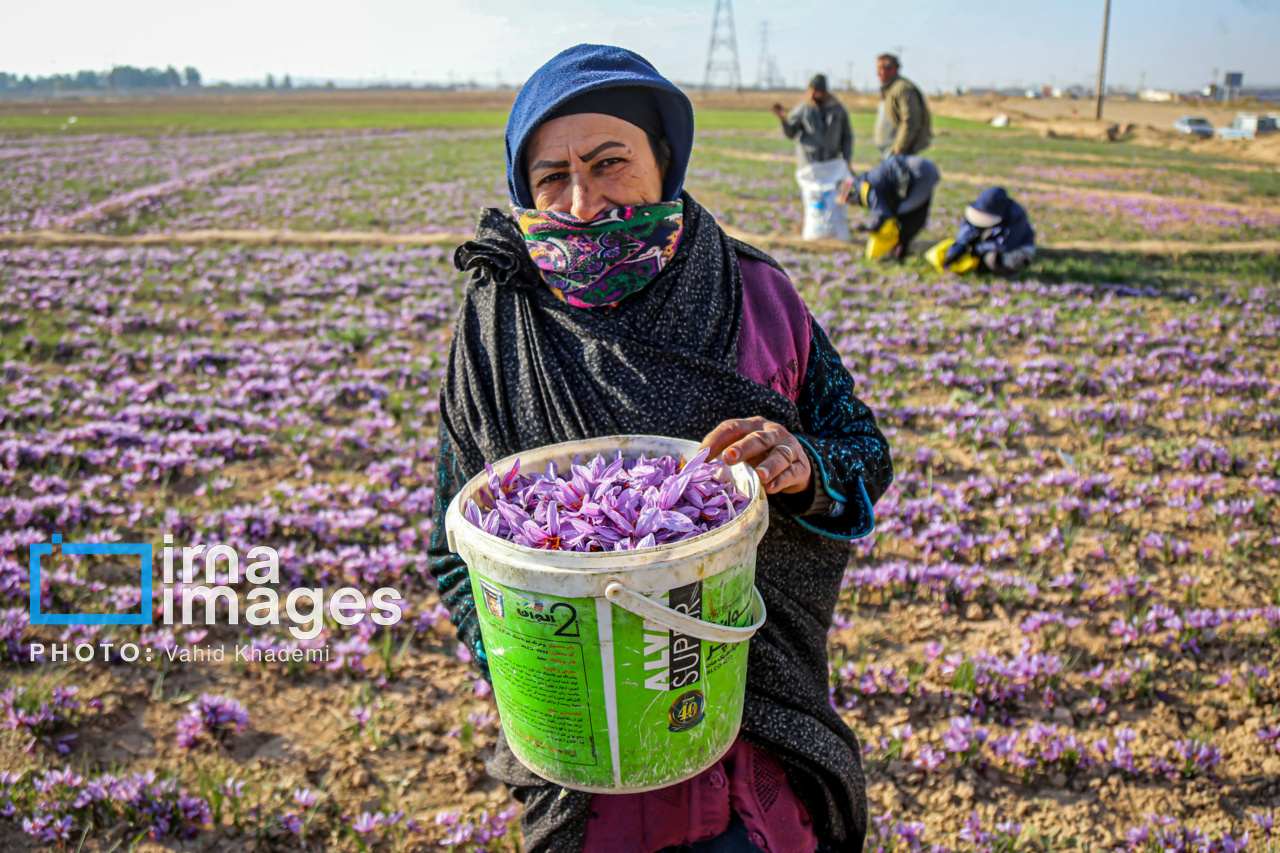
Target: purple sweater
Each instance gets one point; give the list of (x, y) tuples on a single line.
[(773, 346)]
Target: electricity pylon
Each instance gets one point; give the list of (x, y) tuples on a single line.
[(723, 37), (767, 71)]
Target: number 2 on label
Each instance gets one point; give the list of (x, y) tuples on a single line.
[(564, 630)]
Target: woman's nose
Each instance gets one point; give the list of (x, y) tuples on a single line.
[(587, 204)]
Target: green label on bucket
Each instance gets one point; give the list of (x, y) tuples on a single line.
[(536, 653), (565, 669)]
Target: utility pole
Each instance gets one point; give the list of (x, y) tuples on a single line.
[(723, 36), (1102, 60)]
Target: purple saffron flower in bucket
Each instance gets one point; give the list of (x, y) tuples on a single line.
[(602, 506), (489, 522)]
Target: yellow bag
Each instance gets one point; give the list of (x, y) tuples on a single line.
[(881, 242), (961, 265), (935, 254)]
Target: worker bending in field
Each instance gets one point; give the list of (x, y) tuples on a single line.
[(898, 193), (995, 236)]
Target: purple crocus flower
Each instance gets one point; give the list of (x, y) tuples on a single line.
[(365, 823), (211, 716)]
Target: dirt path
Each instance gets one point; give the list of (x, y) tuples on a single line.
[(1166, 247), (194, 179), (1039, 186), (277, 237), (1081, 156)]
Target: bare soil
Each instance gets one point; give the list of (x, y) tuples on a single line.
[(1142, 122)]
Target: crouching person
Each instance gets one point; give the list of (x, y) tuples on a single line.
[(995, 236), (898, 193)]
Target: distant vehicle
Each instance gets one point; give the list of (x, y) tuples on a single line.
[(1195, 126), (1248, 126)]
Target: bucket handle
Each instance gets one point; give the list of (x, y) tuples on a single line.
[(683, 623)]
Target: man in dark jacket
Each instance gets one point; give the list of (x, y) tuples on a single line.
[(824, 147), (820, 126), (903, 124), (997, 232)]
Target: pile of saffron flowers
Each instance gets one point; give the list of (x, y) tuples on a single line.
[(618, 505)]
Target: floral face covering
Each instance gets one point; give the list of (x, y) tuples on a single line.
[(603, 261)]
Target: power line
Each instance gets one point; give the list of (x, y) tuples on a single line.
[(724, 37)]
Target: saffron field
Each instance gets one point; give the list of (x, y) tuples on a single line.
[(1062, 635)]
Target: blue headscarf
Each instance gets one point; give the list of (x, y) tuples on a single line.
[(586, 68), (993, 203)]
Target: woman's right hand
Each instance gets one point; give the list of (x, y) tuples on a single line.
[(778, 457)]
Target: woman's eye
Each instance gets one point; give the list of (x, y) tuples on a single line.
[(551, 178), (609, 161)]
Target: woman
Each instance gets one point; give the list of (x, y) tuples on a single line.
[(612, 303), (996, 232)]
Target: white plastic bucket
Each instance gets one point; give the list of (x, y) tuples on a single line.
[(624, 671)]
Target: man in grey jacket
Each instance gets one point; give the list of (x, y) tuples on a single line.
[(824, 148), (819, 125), (903, 124)]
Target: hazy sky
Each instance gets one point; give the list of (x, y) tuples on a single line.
[(1177, 43)]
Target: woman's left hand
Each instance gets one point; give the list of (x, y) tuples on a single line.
[(777, 455)]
